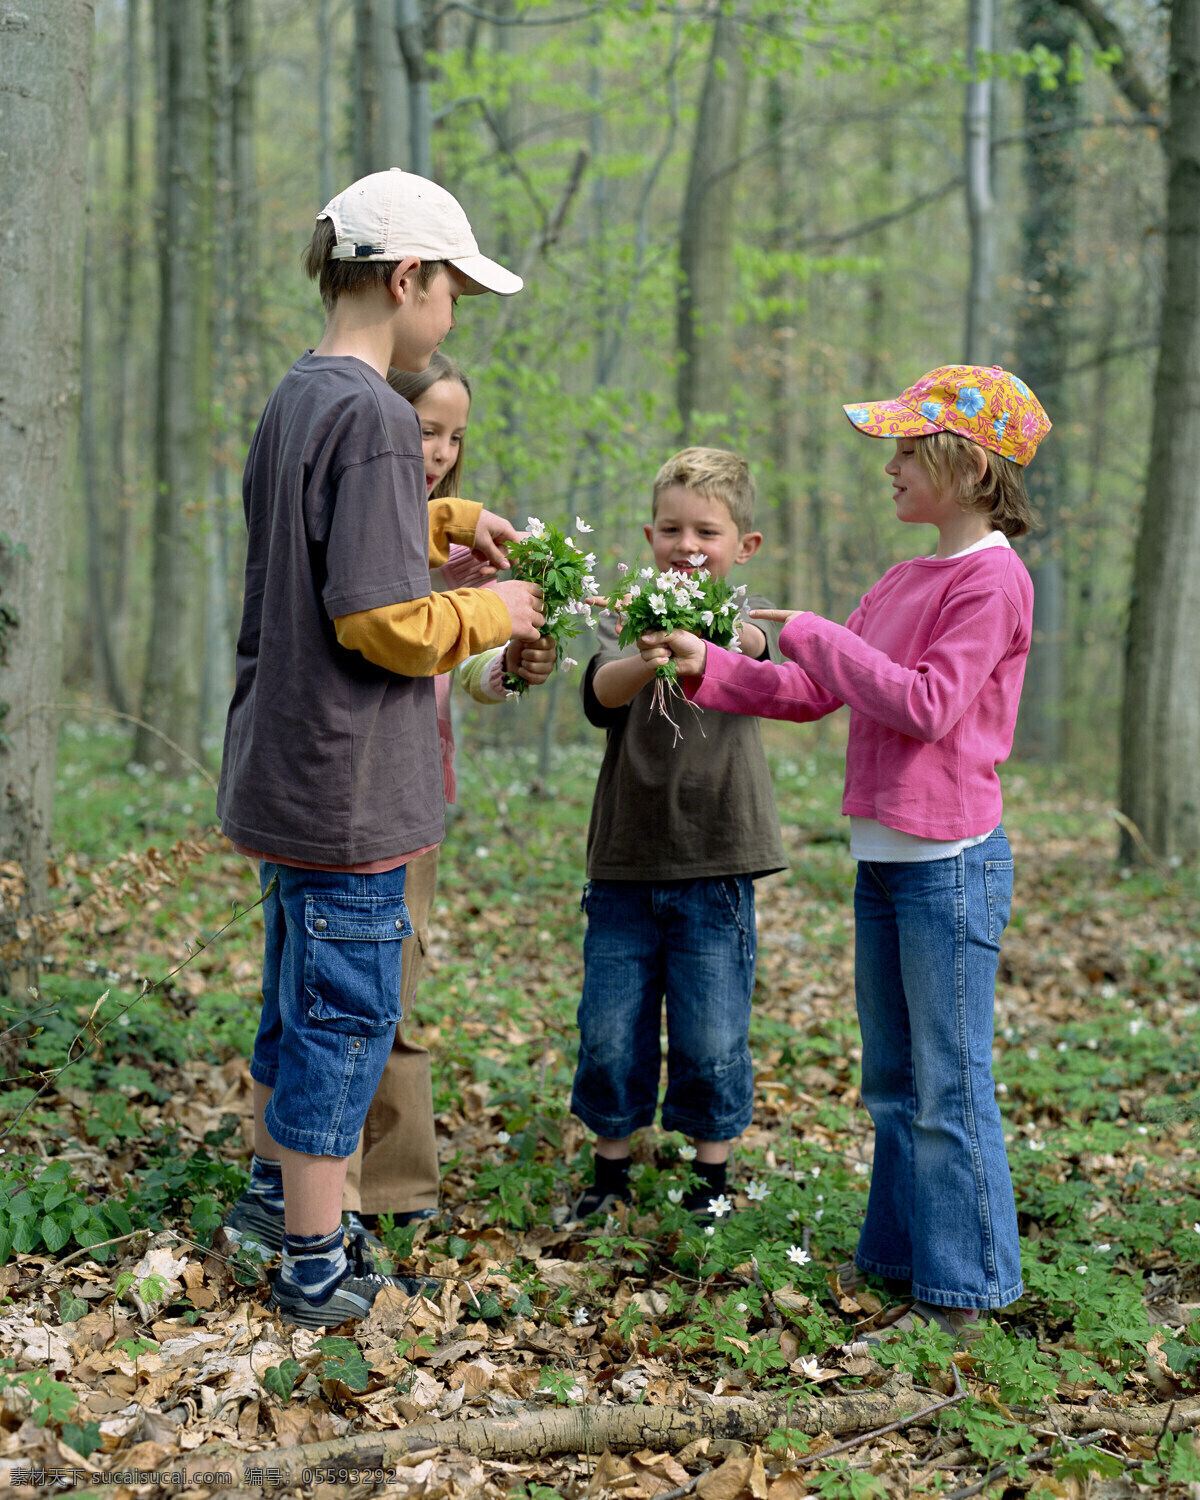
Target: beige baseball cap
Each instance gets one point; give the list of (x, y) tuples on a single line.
[(390, 215)]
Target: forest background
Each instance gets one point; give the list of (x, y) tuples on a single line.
[(731, 219)]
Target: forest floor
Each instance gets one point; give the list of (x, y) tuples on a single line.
[(645, 1356)]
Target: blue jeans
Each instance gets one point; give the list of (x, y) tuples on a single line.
[(331, 1001), (692, 942), (927, 943)]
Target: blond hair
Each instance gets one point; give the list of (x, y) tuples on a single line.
[(714, 473), (342, 278), (951, 460)]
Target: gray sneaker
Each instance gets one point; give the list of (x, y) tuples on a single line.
[(351, 1298), (251, 1225)]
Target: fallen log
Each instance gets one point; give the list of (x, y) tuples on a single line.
[(572, 1429)]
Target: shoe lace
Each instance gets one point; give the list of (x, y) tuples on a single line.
[(364, 1261)]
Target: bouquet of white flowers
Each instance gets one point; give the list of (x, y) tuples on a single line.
[(708, 606), (551, 558)]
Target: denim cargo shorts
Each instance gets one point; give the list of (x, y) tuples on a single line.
[(331, 1001)]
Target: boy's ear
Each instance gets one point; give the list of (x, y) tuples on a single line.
[(750, 543), (401, 280), (649, 530)]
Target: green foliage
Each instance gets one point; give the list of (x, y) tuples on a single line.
[(344, 1362), (562, 1385), (44, 1207), (551, 559), (281, 1379), (699, 602)]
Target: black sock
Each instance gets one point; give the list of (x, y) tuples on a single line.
[(712, 1184), (612, 1175)]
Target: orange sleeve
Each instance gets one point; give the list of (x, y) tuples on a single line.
[(450, 520), (424, 637)]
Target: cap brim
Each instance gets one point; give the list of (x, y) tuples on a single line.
[(484, 275), (888, 419)]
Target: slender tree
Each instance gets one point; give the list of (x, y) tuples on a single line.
[(1044, 334), (45, 69), (1160, 716), (171, 696), (704, 323), (981, 288)]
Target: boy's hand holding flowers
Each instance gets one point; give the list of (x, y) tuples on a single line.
[(548, 557), (685, 651)]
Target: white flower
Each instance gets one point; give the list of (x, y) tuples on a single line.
[(794, 1216), (622, 567), (1062, 1047), (797, 1256), (861, 1168), (675, 1195), (707, 616), (582, 526), (567, 663), (1037, 1145), (687, 1153), (817, 1215), (1031, 1053), (1196, 1227), (503, 1137), (810, 1367), (1135, 1027), (708, 1229), (646, 573), (579, 1317), (697, 559), (1106, 1246), (757, 1192), (570, 541), (535, 527), (741, 1307), (1082, 1270), (719, 1206), (482, 851), (820, 1197), (657, 603), (816, 1172)]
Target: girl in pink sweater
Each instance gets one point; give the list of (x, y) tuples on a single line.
[(930, 665)]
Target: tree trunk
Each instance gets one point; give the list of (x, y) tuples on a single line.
[(171, 699), (704, 326), (392, 146), (325, 102), (1160, 720), (366, 101), (980, 216), (1044, 334), (45, 70), (411, 36)]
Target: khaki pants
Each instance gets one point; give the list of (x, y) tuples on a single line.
[(395, 1168)]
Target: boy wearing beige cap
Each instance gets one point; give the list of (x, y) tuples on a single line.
[(331, 772)]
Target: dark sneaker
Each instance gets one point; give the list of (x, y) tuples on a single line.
[(419, 1216), (251, 1225), (964, 1330), (355, 1227), (352, 1298), (595, 1201)]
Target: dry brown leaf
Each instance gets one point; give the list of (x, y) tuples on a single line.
[(729, 1482), (788, 1486)]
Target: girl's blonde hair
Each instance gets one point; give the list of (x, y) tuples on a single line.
[(412, 386), (1000, 495)]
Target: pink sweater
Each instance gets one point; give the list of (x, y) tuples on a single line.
[(931, 665)]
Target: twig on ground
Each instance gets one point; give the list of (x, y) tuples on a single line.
[(866, 1437)]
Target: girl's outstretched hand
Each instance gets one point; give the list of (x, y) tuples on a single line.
[(782, 615), (687, 651)]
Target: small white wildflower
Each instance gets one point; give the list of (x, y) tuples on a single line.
[(622, 567), (1092, 1044), (818, 1215), (1082, 1270), (719, 1206), (708, 1229), (657, 603), (1062, 1047), (579, 1317), (816, 1172), (1032, 1054), (1103, 1249), (697, 559), (482, 851), (757, 1192), (1002, 1088), (687, 1153), (534, 527), (503, 1137), (646, 573), (582, 526), (797, 1256), (1143, 1130), (1037, 1145), (820, 1197), (1196, 1227), (675, 1195), (1135, 1027), (567, 663), (794, 1216), (707, 616), (861, 1168), (741, 1307), (809, 1366)]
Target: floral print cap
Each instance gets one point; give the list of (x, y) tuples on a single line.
[(988, 406)]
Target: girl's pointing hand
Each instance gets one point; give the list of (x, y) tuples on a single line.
[(782, 615)]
